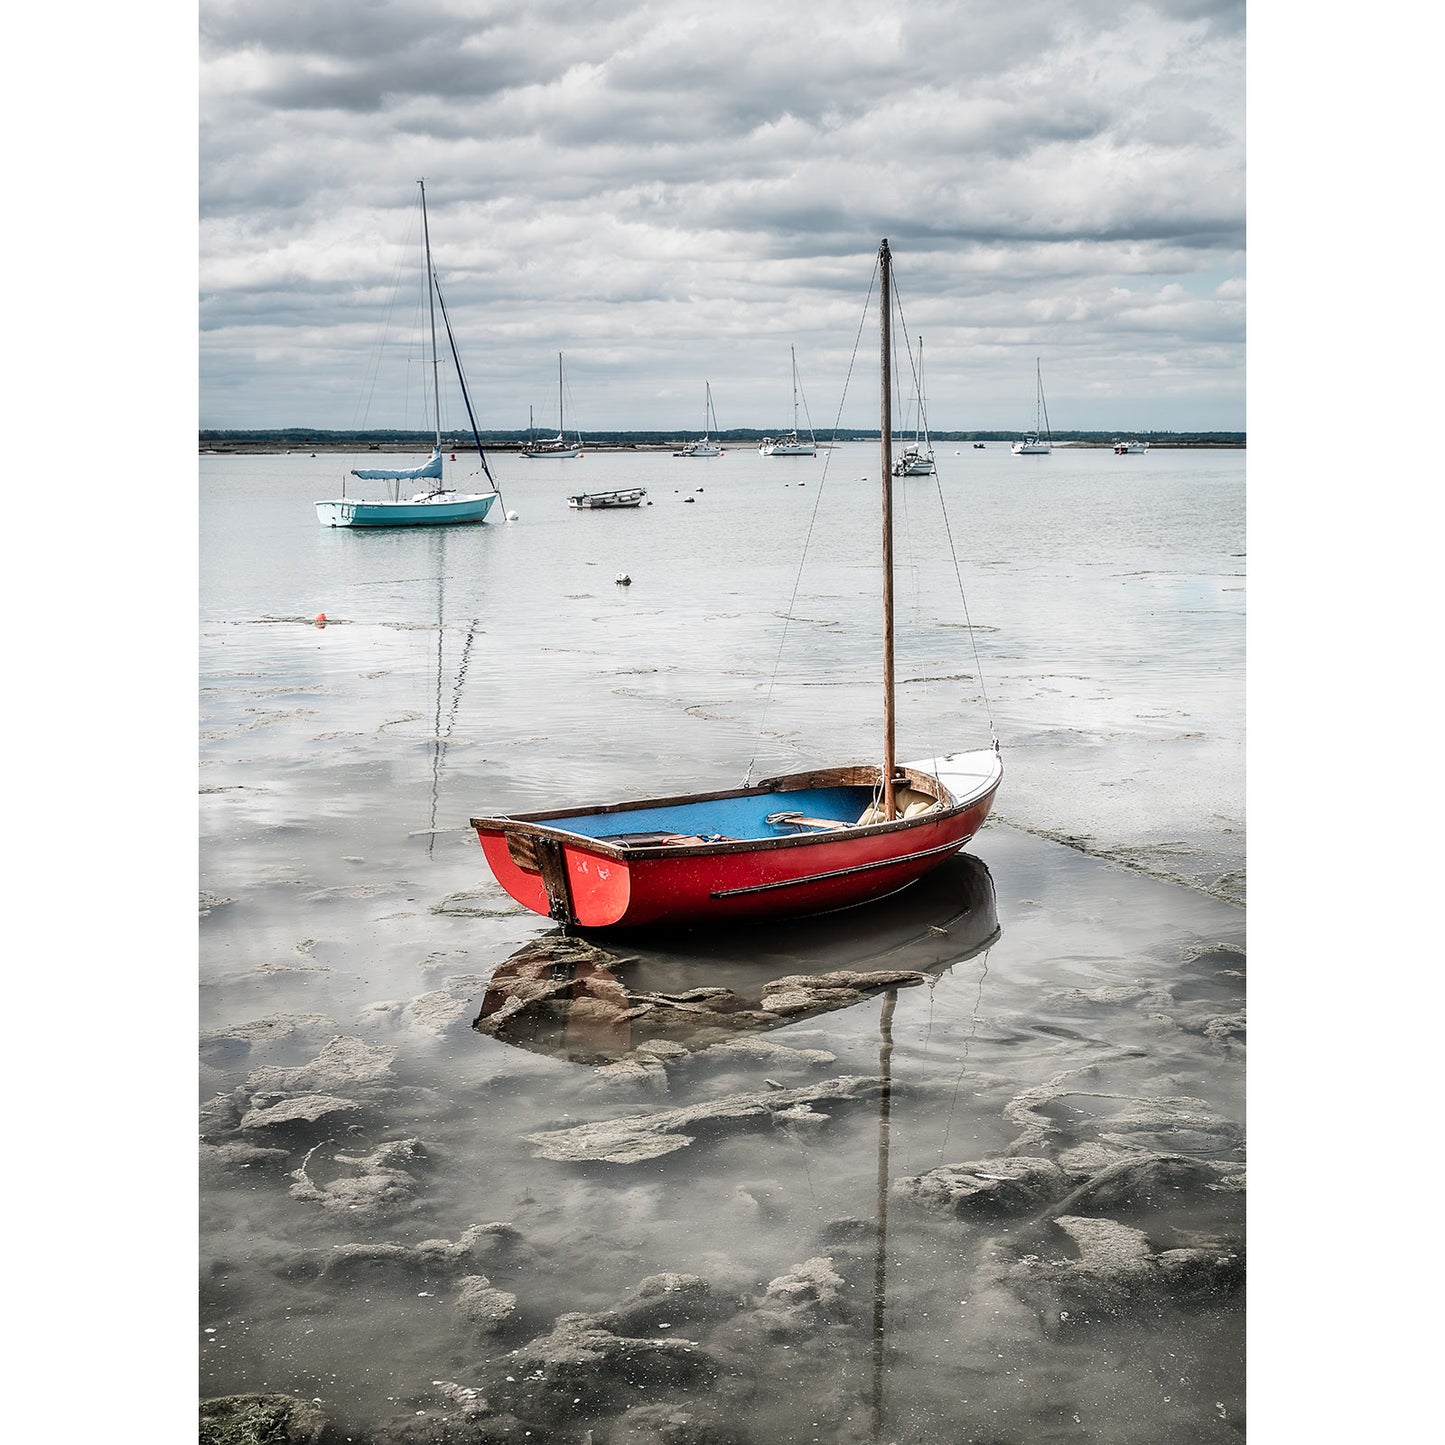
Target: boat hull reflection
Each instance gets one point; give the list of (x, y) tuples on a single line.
[(574, 999)]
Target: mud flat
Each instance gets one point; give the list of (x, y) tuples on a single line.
[(964, 1165), (981, 1173)]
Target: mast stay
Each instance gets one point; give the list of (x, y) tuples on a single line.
[(883, 276), (436, 391)]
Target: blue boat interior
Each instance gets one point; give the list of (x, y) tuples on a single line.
[(718, 818)]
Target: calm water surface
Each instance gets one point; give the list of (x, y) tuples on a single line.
[(1077, 1004)]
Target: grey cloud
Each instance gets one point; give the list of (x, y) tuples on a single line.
[(641, 181)]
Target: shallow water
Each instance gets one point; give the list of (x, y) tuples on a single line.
[(1055, 1005)]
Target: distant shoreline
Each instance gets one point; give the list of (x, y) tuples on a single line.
[(270, 444)]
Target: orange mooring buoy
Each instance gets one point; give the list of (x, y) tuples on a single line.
[(321, 619)]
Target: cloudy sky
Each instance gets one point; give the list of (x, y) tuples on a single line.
[(673, 192)]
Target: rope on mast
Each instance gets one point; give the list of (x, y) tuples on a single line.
[(812, 524)]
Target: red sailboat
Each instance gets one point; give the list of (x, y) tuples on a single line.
[(793, 845)]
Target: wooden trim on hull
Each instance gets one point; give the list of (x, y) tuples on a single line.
[(860, 776), (942, 849)]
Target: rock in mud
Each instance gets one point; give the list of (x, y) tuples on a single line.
[(456, 1426), (260, 1420), (351, 1262), (1114, 996), (478, 1244), (798, 993), (578, 1371), (768, 1051), (485, 1308), (448, 1006), (221, 1115), (1227, 1030), (798, 1305), (344, 1064), (380, 1183), (664, 1301), (1116, 1269), (649, 1074), (689, 1424), (986, 1187), (1161, 1124), (219, 1046), (637, 1137), (239, 1155), (296, 1113), (1150, 1181)]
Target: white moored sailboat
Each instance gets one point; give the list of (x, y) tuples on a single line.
[(438, 505), (706, 447), (917, 460), (791, 445), (557, 446), (1036, 443)]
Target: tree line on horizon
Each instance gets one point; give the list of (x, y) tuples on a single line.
[(304, 436)]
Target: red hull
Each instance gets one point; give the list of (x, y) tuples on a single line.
[(591, 883)]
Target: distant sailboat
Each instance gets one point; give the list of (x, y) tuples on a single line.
[(438, 505), (917, 460), (1036, 443), (557, 446), (791, 445), (706, 447)]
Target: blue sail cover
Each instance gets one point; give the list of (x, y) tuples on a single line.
[(433, 468)]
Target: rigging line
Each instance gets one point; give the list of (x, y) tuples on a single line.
[(808, 414), (406, 402), (466, 395), (914, 572), (913, 545), (812, 523), (932, 986), (957, 571), (437, 744), (968, 621), (362, 409), (576, 427), (907, 346), (908, 516), (963, 1063), (791, 1131), (461, 676)]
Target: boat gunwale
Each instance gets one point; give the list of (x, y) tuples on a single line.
[(617, 499), (525, 824), (447, 497)]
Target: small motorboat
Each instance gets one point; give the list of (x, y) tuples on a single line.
[(606, 501)]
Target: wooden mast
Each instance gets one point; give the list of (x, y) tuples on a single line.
[(885, 304)]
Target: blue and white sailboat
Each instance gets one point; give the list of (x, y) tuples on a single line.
[(437, 505)]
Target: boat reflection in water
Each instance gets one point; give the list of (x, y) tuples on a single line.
[(570, 998)]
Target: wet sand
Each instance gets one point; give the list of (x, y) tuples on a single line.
[(968, 1165), (982, 1181)]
